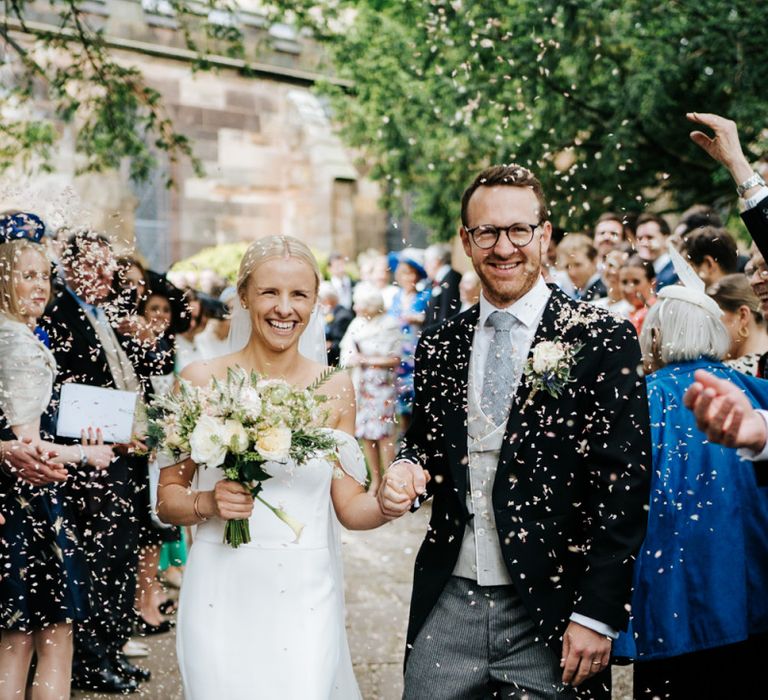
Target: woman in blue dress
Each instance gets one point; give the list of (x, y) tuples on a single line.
[(699, 619), (409, 307), (43, 579)]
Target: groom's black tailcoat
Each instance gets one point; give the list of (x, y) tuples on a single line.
[(572, 485)]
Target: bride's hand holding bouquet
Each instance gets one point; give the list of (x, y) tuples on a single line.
[(240, 425)]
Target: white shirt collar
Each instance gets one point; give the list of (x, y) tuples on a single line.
[(527, 309), (661, 262), (442, 272)]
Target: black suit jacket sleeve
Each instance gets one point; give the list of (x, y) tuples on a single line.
[(756, 221), (618, 460)]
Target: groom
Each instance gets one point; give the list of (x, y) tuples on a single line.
[(537, 458)]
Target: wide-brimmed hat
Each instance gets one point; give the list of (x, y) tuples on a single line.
[(409, 256)]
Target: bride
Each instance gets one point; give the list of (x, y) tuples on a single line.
[(266, 620)]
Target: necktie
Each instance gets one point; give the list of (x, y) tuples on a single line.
[(501, 368)]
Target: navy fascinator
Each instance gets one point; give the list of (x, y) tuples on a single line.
[(21, 225)]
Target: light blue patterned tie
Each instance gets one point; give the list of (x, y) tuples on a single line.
[(501, 368)]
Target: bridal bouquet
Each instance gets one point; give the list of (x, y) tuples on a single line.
[(239, 425)]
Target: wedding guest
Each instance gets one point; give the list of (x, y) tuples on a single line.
[(130, 283), (578, 257), (725, 148), (692, 609), (637, 278), (652, 233), (697, 216), (552, 274), (614, 300), (212, 342), (89, 350), (744, 320), (445, 299), (337, 319), (43, 579), (341, 281), (157, 308), (371, 347), (469, 289), (711, 252), (408, 307), (380, 276), (173, 555), (186, 342), (609, 233)]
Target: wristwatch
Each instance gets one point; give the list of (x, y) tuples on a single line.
[(752, 181)]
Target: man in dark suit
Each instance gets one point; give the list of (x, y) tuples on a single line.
[(89, 351), (722, 410), (337, 319), (724, 146), (445, 300), (532, 422), (652, 233)]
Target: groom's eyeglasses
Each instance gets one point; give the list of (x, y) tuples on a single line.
[(486, 236)]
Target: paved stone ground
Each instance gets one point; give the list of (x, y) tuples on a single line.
[(378, 570)]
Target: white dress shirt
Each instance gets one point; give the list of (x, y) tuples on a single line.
[(528, 309), (343, 287), (661, 262)]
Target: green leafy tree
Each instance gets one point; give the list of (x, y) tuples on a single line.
[(591, 94)]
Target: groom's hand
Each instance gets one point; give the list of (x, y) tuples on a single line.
[(402, 483), (585, 653)]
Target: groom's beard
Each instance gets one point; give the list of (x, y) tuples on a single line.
[(505, 288)]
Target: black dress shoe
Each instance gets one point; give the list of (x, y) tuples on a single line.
[(104, 680), (127, 669), (144, 628)]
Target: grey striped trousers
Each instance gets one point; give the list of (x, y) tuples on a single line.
[(479, 642)]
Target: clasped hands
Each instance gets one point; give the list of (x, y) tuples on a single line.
[(400, 486), (32, 463)]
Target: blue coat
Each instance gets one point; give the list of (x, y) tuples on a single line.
[(701, 577)]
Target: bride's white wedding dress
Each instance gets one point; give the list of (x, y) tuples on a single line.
[(266, 620)]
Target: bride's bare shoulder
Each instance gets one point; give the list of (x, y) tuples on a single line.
[(198, 373), (201, 372)]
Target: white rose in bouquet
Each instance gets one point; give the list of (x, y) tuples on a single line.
[(207, 442), (235, 436), (250, 402), (274, 444), (547, 355)]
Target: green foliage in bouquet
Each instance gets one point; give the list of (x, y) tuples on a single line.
[(240, 425)]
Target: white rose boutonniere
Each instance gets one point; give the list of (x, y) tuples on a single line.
[(549, 367)]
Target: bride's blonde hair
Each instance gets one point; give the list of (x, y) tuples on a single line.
[(268, 247)]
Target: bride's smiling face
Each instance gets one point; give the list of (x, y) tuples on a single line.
[(280, 295)]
